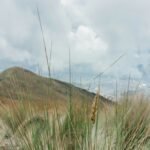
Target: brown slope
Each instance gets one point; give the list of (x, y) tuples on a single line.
[(19, 83)]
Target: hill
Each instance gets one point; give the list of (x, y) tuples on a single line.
[(18, 83)]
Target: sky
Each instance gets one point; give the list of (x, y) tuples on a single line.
[(97, 32)]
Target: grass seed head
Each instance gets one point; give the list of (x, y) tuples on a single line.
[(94, 108)]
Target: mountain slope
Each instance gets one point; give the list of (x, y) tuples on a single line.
[(18, 83)]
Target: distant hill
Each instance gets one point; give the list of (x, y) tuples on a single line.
[(18, 83)]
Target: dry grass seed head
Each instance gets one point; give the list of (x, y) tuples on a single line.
[(94, 108)]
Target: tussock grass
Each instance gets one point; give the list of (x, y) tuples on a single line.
[(124, 126)]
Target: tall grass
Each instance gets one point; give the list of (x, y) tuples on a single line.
[(124, 130)]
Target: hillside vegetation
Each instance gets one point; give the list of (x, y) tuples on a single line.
[(18, 83)]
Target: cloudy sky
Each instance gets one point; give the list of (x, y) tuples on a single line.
[(96, 31)]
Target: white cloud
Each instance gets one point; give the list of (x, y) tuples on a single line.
[(15, 24), (12, 53), (87, 47), (66, 2)]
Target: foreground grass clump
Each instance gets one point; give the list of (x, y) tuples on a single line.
[(124, 126)]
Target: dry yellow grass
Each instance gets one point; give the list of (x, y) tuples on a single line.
[(104, 132)]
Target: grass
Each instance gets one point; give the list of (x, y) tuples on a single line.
[(119, 127)]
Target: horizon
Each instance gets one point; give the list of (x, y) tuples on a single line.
[(97, 33)]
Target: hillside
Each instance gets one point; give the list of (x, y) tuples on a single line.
[(18, 83)]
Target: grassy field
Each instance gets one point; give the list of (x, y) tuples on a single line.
[(83, 126)]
